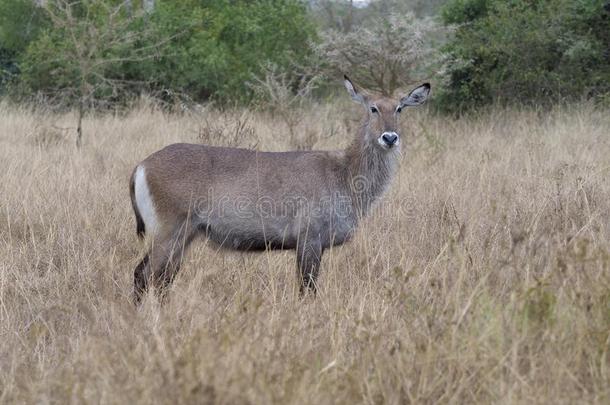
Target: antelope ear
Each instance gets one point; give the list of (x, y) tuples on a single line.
[(351, 89), (417, 96)]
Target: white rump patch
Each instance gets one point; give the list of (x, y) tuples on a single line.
[(144, 202)]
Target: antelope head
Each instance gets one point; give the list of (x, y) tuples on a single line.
[(383, 113)]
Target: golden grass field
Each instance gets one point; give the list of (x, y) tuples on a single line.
[(482, 277)]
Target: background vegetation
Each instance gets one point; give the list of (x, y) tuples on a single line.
[(477, 52), (526, 52)]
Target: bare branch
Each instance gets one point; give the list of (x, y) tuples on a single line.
[(385, 54)]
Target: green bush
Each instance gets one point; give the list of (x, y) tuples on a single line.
[(79, 55), (532, 52), (20, 22), (200, 49), (217, 46)]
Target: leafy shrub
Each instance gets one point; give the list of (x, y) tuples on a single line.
[(20, 22), (218, 45), (79, 57), (81, 50), (526, 52)]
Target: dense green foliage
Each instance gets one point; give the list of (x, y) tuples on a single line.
[(534, 52), (20, 23), (195, 48), (219, 44), (80, 55)]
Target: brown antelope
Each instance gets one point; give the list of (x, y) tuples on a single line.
[(249, 200)]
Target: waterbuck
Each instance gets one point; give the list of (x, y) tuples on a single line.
[(248, 200)]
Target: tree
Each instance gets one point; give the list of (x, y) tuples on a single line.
[(79, 58), (385, 54)]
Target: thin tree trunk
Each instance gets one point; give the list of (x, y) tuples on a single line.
[(81, 111), (79, 126)]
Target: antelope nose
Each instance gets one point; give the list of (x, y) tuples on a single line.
[(389, 138)]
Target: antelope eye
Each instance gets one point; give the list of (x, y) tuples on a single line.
[(374, 110), (398, 109)]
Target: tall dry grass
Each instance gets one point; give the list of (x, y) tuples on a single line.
[(491, 283)]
